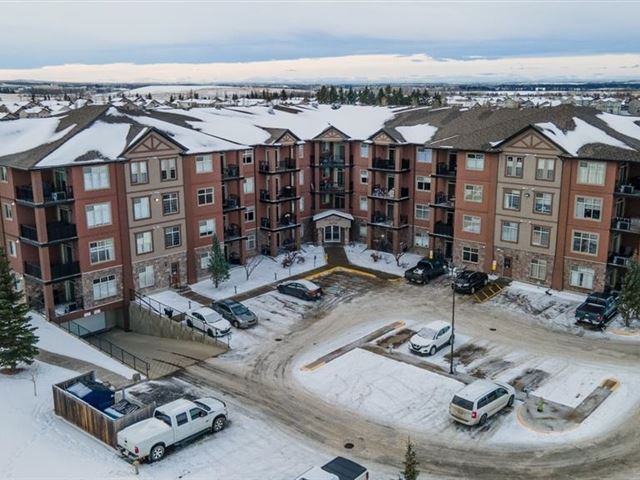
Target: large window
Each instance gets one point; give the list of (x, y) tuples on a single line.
[(511, 200), (172, 237), (146, 277), (250, 214), (471, 223), (581, 277), (170, 203), (98, 214), (204, 163), (470, 254), (509, 232), (364, 150), (422, 212), (101, 251), (589, 208), (144, 242), (421, 239), (251, 241), (513, 167), (591, 173), (168, 169), (423, 184), (473, 193), (139, 173), (364, 176), (104, 287), (423, 155), (546, 169), (204, 260), (585, 242), (364, 204), (540, 236), (7, 211), (205, 196), (207, 228), (248, 185), (475, 161), (96, 177), (247, 157), (543, 203), (538, 269), (141, 208), (4, 174)]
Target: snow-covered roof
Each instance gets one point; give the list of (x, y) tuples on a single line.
[(329, 213)]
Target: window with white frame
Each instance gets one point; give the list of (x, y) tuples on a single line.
[(301, 204), (542, 203), (422, 212), (582, 277), (170, 203), (248, 185), (144, 242), (511, 200), (364, 176), (591, 173), (585, 242), (141, 208), (204, 260), (251, 241), (139, 172), (364, 150), (300, 150), (538, 269), (207, 228), (423, 155), (513, 166), (421, 239), (364, 203), (96, 177), (146, 277), (12, 248), (423, 183), (4, 174), (168, 169), (101, 251), (471, 223), (473, 193), (545, 169), (510, 232), (588, 208), (540, 236), (301, 177), (470, 254), (247, 157), (7, 211), (204, 163), (98, 214), (250, 214), (172, 236), (104, 287), (205, 196), (475, 161)]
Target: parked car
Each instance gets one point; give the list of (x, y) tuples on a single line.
[(209, 321), (597, 309), (339, 468), (469, 281), (426, 270), (479, 400), (431, 338), (303, 289), (171, 424), (236, 313)]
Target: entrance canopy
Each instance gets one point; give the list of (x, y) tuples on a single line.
[(332, 226)]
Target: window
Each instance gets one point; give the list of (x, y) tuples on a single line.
[(513, 167), (170, 203), (364, 151), (205, 196), (248, 185), (98, 214), (301, 204), (364, 176), (421, 239), (471, 223), (591, 173), (475, 161), (585, 242), (581, 277), (101, 251), (423, 155), (542, 203), (96, 178), (362, 230), (301, 177), (144, 242), (422, 212), (251, 241), (139, 173), (12, 248), (204, 261), (141, 208), (473, 193), (4, 174), (511, 200), (300, 151), (207, 227), (247, 157), (181, 418), (540, 236), (172, 237), (146, 277), (510, 232), (250, 214), (546, 169), (364, 204), (104, 287), (168, 170), (204, 163), (588, 208), (8, 211), (538, 269), (470, 254), (423, 184)]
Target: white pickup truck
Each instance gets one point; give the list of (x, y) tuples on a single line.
[(171, 424)]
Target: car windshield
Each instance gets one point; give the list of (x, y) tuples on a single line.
[(202, 406), (161, 416), (427, 333), (239, 309), (211, 317), (462, 403)]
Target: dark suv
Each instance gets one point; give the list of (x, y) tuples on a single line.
[(468, 281)]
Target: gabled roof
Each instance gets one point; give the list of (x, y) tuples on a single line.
[(392, 134), (329, 128), (329, 213), (277, 134)]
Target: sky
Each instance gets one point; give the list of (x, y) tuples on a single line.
[(304, 41)]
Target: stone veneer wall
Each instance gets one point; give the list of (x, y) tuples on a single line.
[(162, 271), (87, 287), (520, 261), (457, 254), (599, 278)]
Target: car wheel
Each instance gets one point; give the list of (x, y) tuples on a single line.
[(427, 279), (156, 453), (210, 333), (236, 324), (189, 324), (218, 424), (433, 350), (483, 419), (473, 290), (511, 400)]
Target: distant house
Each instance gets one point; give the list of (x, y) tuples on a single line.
[(634, 106)]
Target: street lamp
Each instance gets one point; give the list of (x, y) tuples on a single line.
[(452, 274)]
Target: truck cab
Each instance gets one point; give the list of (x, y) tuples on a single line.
[(425, 270)]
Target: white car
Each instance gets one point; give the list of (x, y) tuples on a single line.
[(431, 338), (209, 321), (479, 400)]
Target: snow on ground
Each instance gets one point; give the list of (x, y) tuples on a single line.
[(360, 255), (170, 298), (54, 339), (268, 271)]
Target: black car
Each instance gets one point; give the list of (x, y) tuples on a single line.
[(303, 289), (469, 281)]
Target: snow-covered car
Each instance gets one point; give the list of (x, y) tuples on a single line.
[(431, 338), (173, 423), (339, 468), (209, 321), (303, 289), (479, 400), (239, 315)]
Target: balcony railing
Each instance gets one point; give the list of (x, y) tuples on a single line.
[(444, 169), (626, 224), (232, 231), (443, 200), (231, 202), (287, 164), (328, 159), (390, 165), (30, 232), (444, 229), (622, 259), (380, 218), (284, 194), (630, 187), (51, 194), (285, 221), (32, 269), (391, 194), (61, 231), (58, 270), (231, 172), (332, 187)]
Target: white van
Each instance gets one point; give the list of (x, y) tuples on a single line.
[(479, 400)]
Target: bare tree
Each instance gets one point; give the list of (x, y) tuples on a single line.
[(400, 253), (251, 264)]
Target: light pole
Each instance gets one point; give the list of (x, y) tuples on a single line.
[(452, 271)]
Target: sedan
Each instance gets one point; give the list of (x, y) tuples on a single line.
[(303, 289), (239, 315), (208, 321), (469, 281)]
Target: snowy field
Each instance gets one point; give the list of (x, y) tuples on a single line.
[(268, 271), (360, 255)]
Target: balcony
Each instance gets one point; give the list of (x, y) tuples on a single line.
[(231, 202), (622, 258), (286, 165), (285, 193), (65, 307), (392, 195), (232, 233), (231, 172), (56, 232), (332, 187), (443, 169), (287, 220), (59, 271), (443, 230), (329, 160), (442, 200), (389, 165), (51, 195), (630, 188), (381, 220), (626, 225)]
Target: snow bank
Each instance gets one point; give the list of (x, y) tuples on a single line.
[(417, 133), (360, 255), (24, 134)]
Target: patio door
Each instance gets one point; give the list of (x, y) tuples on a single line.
[(332, 234)]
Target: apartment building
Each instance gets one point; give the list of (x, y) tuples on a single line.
[(100, 201)]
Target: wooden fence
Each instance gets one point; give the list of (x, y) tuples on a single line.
[(90, 419)]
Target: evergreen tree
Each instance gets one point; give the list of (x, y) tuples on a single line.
[(218, 266), (410, 471), (17, 338), (380, 100), (333, 94), (323, 95), (629, 304), (283, 95)]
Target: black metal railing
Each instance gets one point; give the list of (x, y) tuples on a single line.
[(231, 171), (445, 169), (29, 232), (626, 224), (231, 201), (390, 164), (51, 194), (276, 167), (61, 270), (32, 269), (391, 194), (265, 222), (60, 231), (232, 231), (332, 187), (443, 229), (287, 192)]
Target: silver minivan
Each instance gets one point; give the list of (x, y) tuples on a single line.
[(479, 400)]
